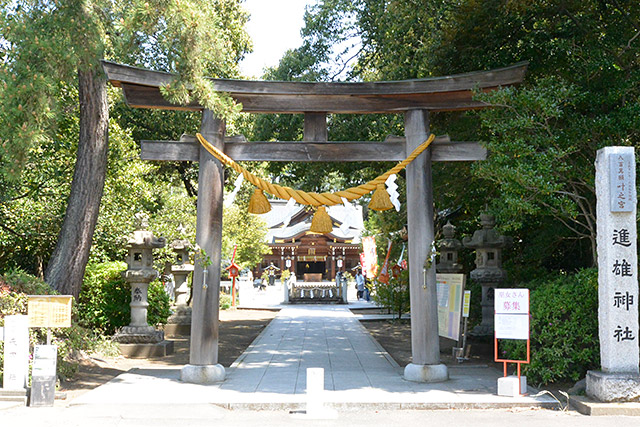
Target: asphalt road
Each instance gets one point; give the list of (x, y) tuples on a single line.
[(210, 415)]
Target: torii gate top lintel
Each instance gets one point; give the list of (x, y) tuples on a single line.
[(454, 92)]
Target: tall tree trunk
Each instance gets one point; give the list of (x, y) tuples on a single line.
[(66, 267)]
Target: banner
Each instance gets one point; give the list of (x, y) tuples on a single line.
[(370, 265), (402, 262), (384, 271)]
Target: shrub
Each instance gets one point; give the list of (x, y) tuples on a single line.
[(21, 282), (285, 275), (394, 295), (104, 301), (564, 329), (225, 301)]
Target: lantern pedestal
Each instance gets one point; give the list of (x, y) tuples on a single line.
[(144, 351)]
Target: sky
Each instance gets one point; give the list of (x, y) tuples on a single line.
[(274, 27)]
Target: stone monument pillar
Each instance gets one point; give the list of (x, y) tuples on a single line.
[(449, 247), (139, 274), (619, 378), (179, 323), (488, 245)]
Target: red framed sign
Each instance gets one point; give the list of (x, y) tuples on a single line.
[(511, 321)]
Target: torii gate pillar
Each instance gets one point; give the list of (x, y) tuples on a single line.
[(203, 367), (425, 345)]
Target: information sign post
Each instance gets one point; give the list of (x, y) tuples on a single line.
[(511, 321), (463, 354), (46, 311), (43, 378)]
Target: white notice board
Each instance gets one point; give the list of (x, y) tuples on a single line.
[(512, 326), (511, 318)]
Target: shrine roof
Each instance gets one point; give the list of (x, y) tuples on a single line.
[(454, 92), (338, 214)]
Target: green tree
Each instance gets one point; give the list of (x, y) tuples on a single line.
[(248, 232), (581, 93), (50, 44)]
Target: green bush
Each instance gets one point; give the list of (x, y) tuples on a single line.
[(564, 329), (394, 295), (225, 301), (103, 305), (22, 282)]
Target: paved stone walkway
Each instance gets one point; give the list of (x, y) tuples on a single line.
[(304, 337), (271, 374)]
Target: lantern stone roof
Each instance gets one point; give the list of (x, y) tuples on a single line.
[(487, 236)]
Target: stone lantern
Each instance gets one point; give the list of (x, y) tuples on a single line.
[(488, 244), (181, 270), (179, 323), (139, 273), (449, 247)]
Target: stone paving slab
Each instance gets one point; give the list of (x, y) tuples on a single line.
[(271, 373)]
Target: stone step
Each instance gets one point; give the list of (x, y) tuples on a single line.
[(145, 351), (174, 330), (13, 396)]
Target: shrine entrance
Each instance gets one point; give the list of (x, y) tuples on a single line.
[(311, 271), (416, 99)]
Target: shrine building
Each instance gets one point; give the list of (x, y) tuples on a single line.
[(313, 257)]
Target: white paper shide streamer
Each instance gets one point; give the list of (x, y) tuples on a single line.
[(228, 201), (349, 220), (392, 188), (289, 210)]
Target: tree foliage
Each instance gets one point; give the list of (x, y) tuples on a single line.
[(247, 232), (581, 93), (46, 43), (49, 45)]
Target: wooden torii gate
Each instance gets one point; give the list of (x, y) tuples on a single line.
[(415, 98)]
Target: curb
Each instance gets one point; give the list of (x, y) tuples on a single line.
[(587, 406)]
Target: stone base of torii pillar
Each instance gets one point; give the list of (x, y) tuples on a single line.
[(426, 373), (202, 374)]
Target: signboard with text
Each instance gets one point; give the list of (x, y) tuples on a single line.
[(450, 288), (43, 379), (622, 189), (49, 311), (16, 352), (512, 314), (466, 303)]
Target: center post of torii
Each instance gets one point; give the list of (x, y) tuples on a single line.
[(413, 98)]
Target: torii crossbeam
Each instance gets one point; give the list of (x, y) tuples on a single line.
[(414, 98)]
